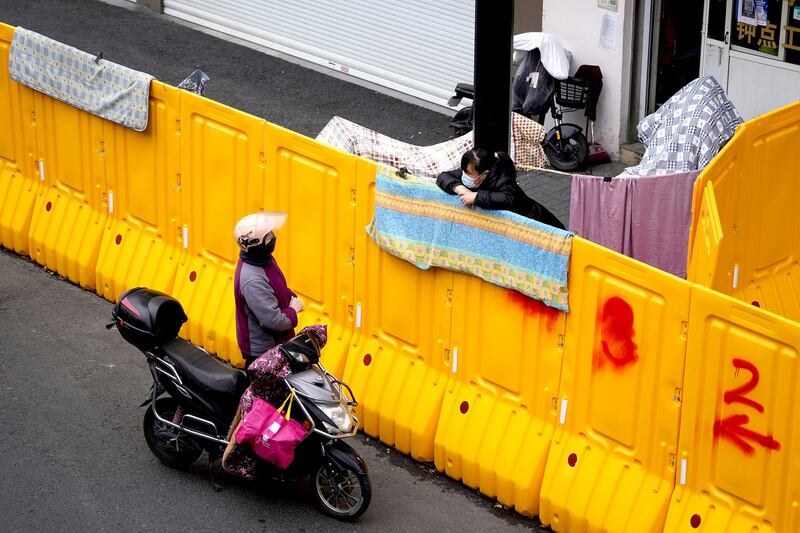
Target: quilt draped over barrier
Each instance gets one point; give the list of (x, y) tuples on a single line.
[(430, 161), (417, 222), (105, 89)]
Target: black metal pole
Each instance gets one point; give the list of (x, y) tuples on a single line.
[(494, 45)]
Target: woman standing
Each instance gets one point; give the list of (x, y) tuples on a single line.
[(266, 308)]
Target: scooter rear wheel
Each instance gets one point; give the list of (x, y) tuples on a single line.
[(342, 494), (175, 451)]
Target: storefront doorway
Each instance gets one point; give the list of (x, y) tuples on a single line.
[(716, 40), (677, 57), (667, 53)]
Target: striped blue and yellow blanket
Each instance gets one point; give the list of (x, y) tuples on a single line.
[(418, 222)]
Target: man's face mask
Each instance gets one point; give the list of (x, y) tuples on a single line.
[(473, 183), (467, 181), (271, 245)]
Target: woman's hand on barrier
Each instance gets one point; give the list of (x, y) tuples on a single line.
[(468, 198), (296, 304)]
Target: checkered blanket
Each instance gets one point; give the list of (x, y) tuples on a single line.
[(687, 131), (429, 161), (526, 142), (100, 87), (414, 220)]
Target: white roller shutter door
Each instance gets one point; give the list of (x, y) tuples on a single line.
[(419, 47)]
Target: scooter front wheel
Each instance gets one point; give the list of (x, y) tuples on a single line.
[(569, 153), (342, 493), (174, 450)]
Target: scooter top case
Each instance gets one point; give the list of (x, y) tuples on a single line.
[(148, 318)]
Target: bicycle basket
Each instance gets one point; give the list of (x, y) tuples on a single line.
[(572, 93)]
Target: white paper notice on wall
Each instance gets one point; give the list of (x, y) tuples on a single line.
[(608, 31)]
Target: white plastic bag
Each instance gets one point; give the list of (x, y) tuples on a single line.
[(554, 58)]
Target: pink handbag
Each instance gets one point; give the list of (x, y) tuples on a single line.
[(272, 435)]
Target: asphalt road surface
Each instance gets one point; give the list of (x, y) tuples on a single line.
[(280, 91), (74, 458)]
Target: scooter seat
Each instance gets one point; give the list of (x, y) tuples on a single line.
[(465, 90), (219, 383)]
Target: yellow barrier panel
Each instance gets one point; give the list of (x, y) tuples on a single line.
[(767, 243), (739, 441), (703, 263), (397, 364), (611, 464), (721, 171), (19, 181), (497, 416), (316, 185), (141, 243), (70, 210), (222, 179), (755, 188)]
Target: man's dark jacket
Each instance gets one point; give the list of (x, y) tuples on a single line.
[(502, 192)]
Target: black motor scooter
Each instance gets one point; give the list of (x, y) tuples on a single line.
[(565, 145), (195, 396)]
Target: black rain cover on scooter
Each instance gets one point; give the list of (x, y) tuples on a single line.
[(532, 86)]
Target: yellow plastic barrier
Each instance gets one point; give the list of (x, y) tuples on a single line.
[(767, 246), (703, 263), (19, 180), (756, 189), (739, 444), (70, 211), (722, 170), (222, 180), (723, 177), (497, 416), (141, 242), (233, 164), (316, 185), (398, 364), (611, 465)]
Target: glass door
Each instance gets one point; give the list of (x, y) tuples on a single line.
[(716, 40)]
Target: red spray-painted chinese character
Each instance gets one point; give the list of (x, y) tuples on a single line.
[(616, 335)]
